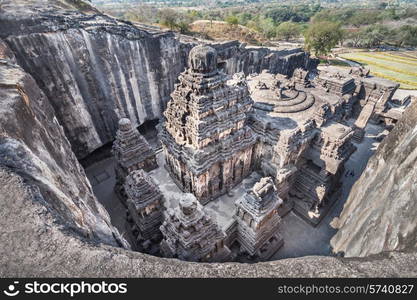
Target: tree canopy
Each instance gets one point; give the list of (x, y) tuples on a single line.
[(288, 30), (232, 20), (322, 36)]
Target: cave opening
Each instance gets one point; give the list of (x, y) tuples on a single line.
[(149, 131)]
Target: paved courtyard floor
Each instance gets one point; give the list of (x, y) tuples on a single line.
[(300, 238)]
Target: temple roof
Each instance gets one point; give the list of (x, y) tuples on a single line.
[(141, 189), (203, 59), (261, 199), (286, 104)]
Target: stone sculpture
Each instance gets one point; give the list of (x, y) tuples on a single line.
[(145, 207)]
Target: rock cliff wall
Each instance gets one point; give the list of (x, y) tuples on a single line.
[(93, 78), (95, 70), (234, 57), (239, 58), (34, 147), (50, 218), (381, 211)]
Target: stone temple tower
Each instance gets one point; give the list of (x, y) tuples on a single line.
[(132, 152), (145, 207), (190, 234), (205, 137), (258, 220)]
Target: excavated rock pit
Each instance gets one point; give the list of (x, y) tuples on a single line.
[(55, 110)]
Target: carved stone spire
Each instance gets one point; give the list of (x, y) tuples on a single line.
[(205, 137), (132, 152), (258, 220), (145, 204), (190, 233)]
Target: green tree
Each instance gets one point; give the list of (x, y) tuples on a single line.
[(168, 17), (288, 30), (321, 37), (194, 14), (374, 35), (175, 20), (407, 35), (364, 17), (244, 18), (232, 20), (183, 26), (353, 37), (266, 26)]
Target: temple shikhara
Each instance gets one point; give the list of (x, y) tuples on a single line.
[(258, 220), (190, 233), (238, 153), (132, 152), (206, 139), (145, 204)]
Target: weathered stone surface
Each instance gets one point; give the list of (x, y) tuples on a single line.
[(51, 225), (34, 243), (36, 238), (381, 212), (235, 57), (302, 142), (132, 152), (33, 145), (145, 204), (93, 69)]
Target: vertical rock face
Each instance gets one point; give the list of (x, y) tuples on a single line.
[(93, 78), (381, 211), (235, 57), (254, 60), (34, 147)]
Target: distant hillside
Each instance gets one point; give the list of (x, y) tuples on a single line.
[(218, 30), (226, 3)]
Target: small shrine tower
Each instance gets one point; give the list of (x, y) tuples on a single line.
[(190, 234), (132, 152), (258, 220)]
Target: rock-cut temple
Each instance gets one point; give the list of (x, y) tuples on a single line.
[(296, 132)]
